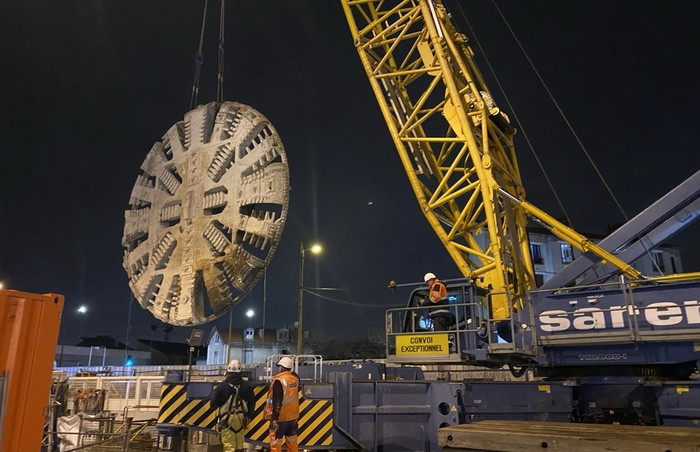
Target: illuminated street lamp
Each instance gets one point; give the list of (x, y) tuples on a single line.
[(250, 313), (315, 249), (82, 311)]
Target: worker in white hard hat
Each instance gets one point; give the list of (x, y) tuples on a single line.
[(282, 407), (236, 403), (437, 302)]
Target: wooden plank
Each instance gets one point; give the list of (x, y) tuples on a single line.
[(525, 436)]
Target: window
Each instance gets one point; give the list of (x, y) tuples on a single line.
[(539, 279), (283, 335), (659, 261), (536, 253), (567, 253), (248, 334)]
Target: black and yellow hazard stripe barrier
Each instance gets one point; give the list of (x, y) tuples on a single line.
[(315, 415), (315, 419), (175, 408)]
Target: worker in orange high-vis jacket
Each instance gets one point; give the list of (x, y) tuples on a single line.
[(282, 407), (438, 302)]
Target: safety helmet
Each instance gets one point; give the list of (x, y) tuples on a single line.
[(286, 362), (429, 276), (234, 366)]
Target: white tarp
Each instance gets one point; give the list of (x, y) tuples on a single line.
[(67, 429)]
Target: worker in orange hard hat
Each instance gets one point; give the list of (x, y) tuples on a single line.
[(282, 407), (438, 303)]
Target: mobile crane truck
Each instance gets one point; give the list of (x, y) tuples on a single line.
[(623, 346), (604, 343)]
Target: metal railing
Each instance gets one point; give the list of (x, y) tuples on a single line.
[(98, 433)]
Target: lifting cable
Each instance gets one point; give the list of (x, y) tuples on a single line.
[(515, 116), (199, 58), (220, 73), (566, 120), (556, 105), (561, 113)]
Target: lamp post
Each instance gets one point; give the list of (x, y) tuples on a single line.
[(315, 249), (249, 341), (82, 312)]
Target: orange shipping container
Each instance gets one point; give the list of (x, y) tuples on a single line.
[(28, 336)]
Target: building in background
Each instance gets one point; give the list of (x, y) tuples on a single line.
[(249, 345), (550, 255)]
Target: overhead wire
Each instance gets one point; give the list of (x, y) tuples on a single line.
[(345, 302)]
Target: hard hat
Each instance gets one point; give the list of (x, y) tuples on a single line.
[(429, 276), (234, 366), (286, 362)]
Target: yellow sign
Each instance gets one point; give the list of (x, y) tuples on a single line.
[(422, 344)]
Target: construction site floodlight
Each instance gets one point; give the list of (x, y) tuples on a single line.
[(196, 337)]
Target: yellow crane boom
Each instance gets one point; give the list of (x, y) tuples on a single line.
[(455, 144)]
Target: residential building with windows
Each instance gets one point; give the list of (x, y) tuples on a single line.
[(248, 345), (550, 255)]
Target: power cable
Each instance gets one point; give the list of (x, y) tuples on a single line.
[(346, 302)]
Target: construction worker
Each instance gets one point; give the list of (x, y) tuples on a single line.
[(236, 403), (282, 407), (438, 303)]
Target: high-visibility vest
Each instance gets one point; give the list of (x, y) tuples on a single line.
[(438, 299), (289, 410)]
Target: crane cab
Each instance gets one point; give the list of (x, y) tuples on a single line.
[(411, 336)]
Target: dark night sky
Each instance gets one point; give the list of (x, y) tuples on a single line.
[(89, 85)]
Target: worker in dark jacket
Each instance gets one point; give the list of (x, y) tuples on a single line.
[(236, 403)]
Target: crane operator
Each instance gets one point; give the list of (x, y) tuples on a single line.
[(438, 303)]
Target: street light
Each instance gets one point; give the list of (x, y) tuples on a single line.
[(82, 312), (315, 249)]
